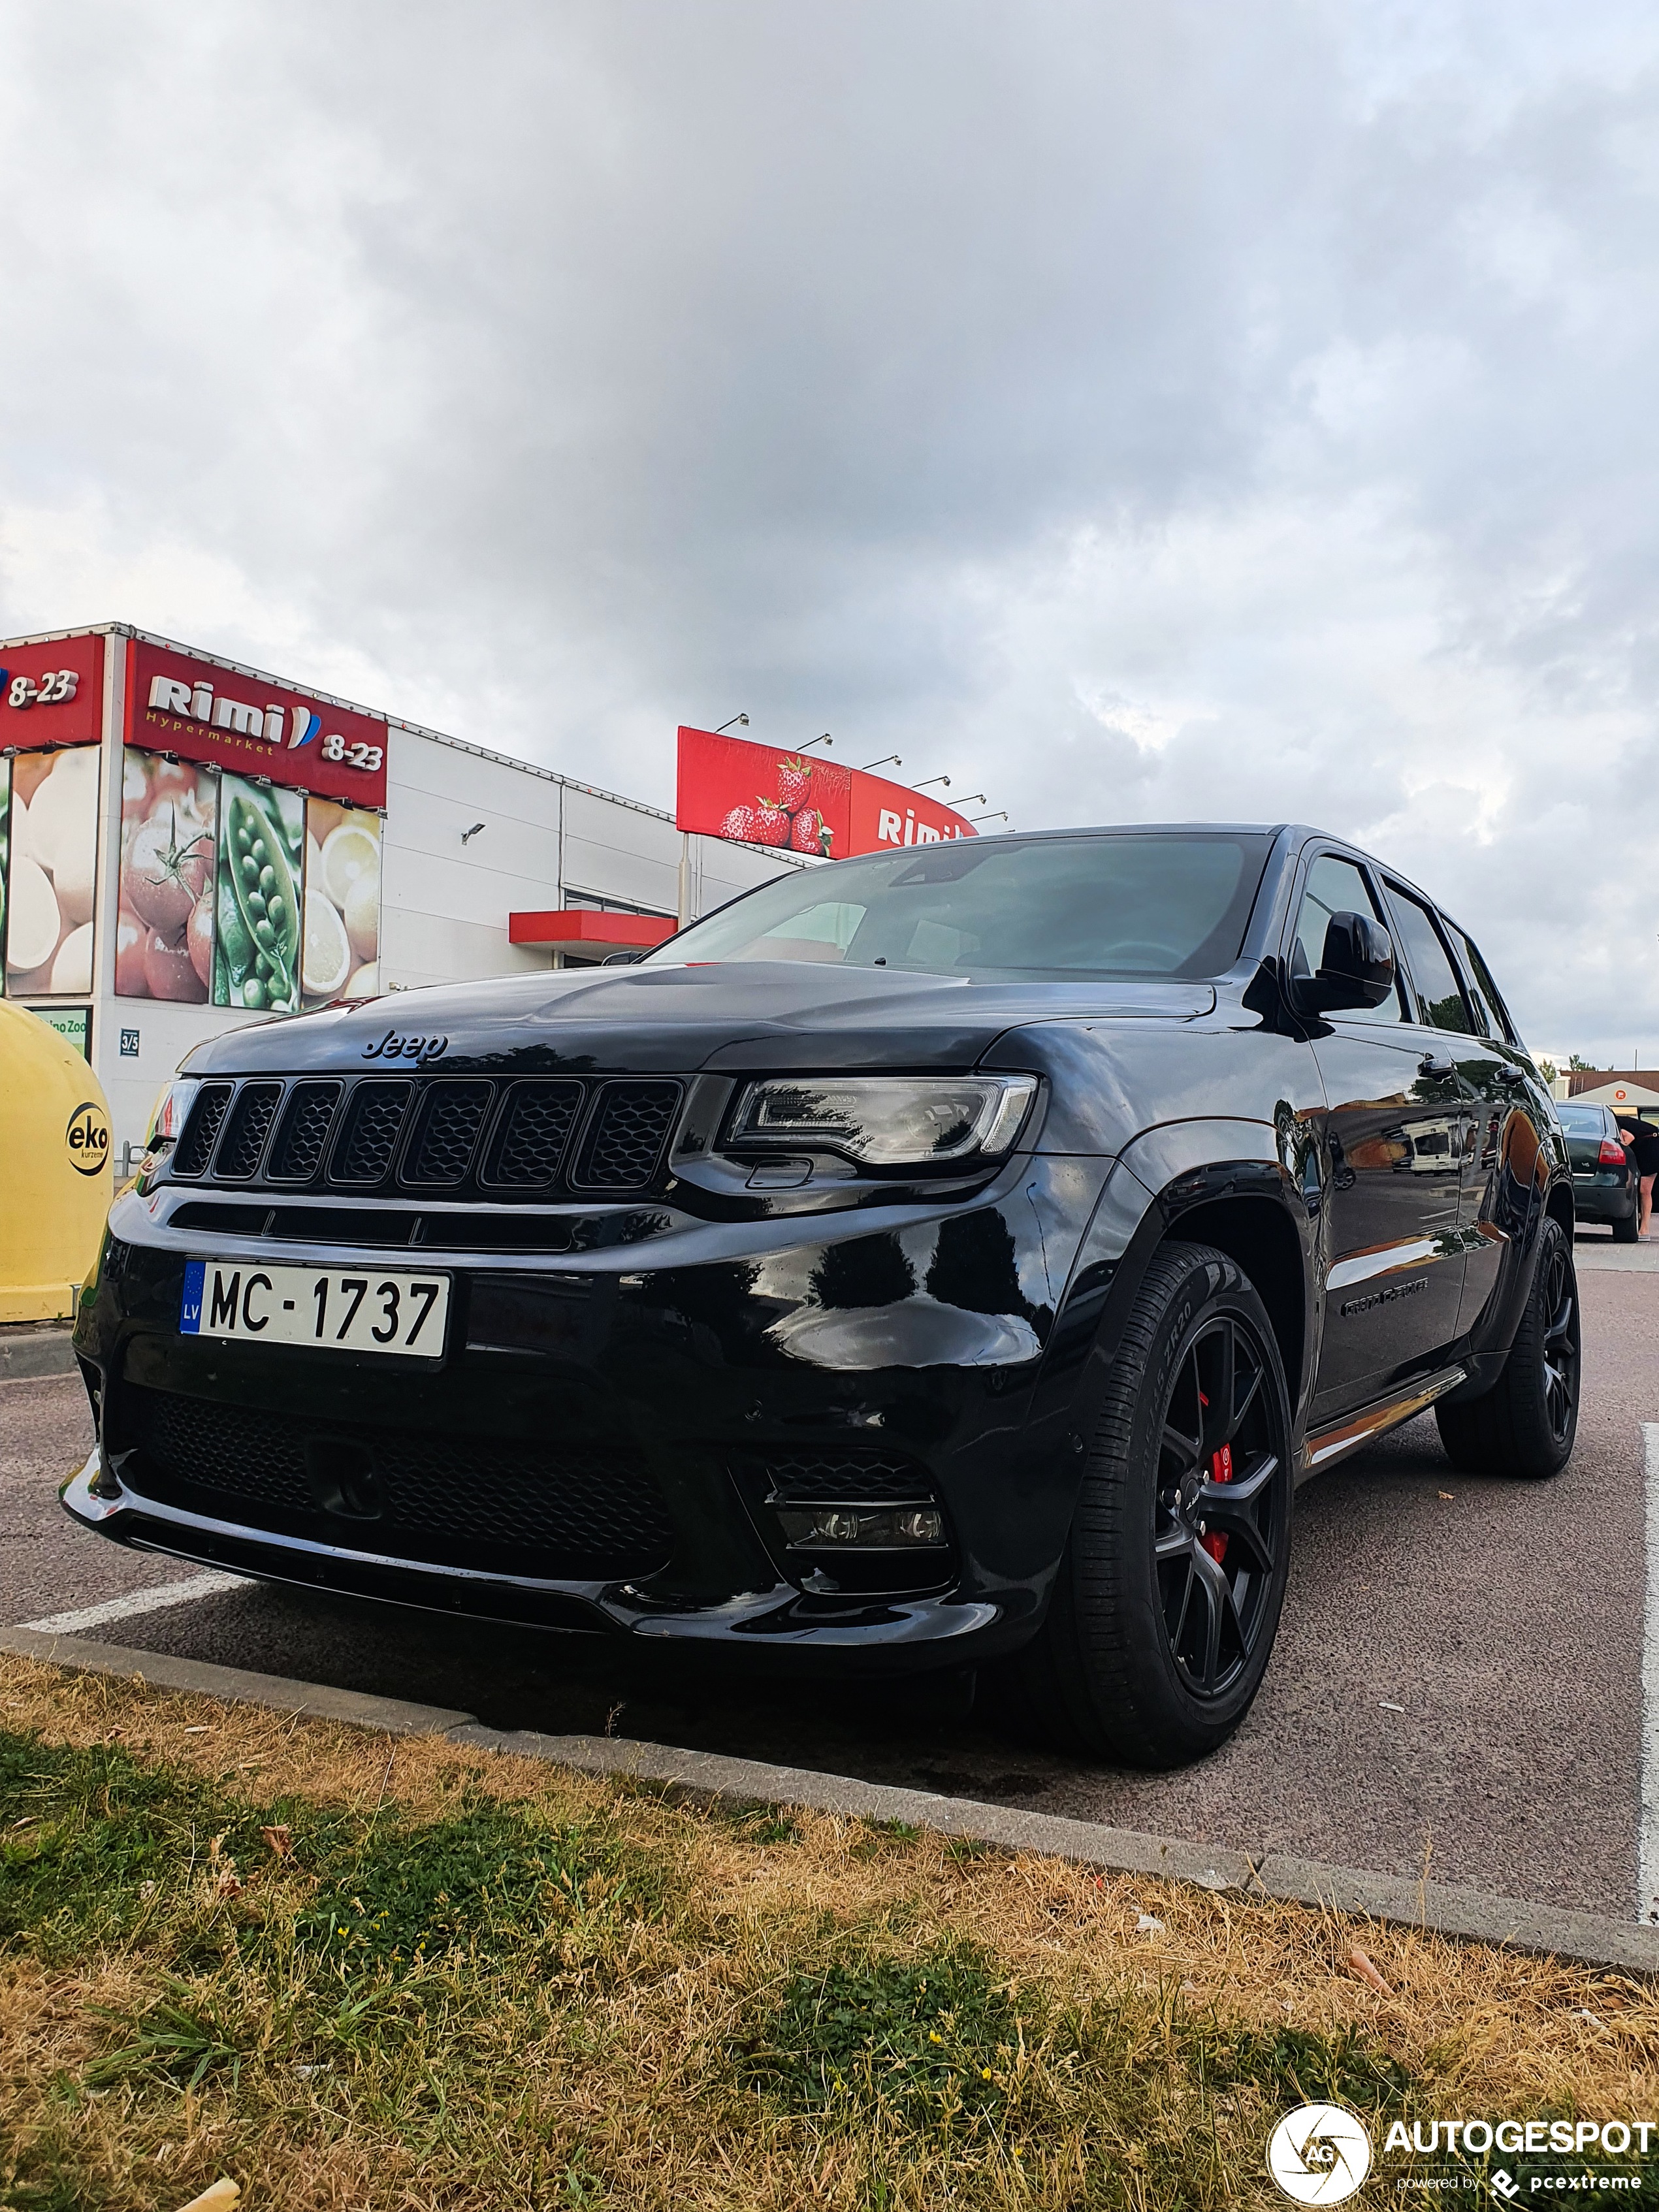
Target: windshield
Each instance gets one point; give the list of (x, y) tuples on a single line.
[(1122, 903), (1582, 1120)]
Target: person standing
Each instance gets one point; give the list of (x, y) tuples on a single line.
[(1642, 1140)]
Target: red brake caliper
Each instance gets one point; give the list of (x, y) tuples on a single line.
[(1221, 1470)]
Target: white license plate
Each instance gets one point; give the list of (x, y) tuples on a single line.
[(355, 1309)]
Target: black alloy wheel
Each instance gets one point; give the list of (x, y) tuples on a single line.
[(1558, 1294), (1167, 1600), (1220, 1502), (1525, 1424)]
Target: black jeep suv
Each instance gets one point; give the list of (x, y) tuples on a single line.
[(953, 1252)]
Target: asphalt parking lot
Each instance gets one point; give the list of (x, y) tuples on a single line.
[(1456, 1690)]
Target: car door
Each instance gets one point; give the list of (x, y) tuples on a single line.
[(1503, 1138), (1394, 1134)]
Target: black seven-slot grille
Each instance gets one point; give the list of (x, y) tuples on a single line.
[(524, 1137), (554, 1511)]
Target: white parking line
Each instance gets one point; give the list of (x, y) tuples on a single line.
[(143, 1600), (1647, 1876)]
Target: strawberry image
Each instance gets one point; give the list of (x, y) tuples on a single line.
[(810, 832), (772, 823), (794, 783), (742, 824)]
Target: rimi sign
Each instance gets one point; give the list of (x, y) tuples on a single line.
[(760, 795), (202, 712)]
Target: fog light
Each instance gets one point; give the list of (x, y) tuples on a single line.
[(866, 1528)]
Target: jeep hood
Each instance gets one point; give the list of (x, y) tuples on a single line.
[(730, 1015)]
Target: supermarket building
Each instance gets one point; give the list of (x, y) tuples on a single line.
[(187, 844)]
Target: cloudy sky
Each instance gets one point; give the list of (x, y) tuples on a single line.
[(1242, 410)]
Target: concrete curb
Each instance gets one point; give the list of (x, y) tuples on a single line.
[(233, 1686), (1587, 1937), (30, 1352)]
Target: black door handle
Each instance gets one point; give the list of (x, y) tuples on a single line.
[(1438, 1064)]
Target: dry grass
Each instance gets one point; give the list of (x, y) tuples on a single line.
[(599, 2034)]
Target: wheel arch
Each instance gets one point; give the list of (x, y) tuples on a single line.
[(1202, 1182), (1257, 1231)]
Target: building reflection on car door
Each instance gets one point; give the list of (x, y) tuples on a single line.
[(1393, 1132), (1504, 1147)]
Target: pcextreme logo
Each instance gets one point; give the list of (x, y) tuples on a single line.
[(87, 1139)]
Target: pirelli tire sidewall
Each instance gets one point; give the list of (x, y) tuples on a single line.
[(1104, 1658)]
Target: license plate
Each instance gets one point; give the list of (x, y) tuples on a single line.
[(357, 1309)]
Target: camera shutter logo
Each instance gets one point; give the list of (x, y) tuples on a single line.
[(88, 1138), (1319, 2154)]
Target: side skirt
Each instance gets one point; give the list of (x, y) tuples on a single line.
[(1322, 1448)]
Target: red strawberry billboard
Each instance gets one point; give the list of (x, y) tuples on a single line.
[(761, 795)]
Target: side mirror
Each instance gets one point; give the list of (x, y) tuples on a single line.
[(622, 959), (1355, 969)]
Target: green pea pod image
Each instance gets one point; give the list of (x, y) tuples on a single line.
[(235, 945), (267, 902)]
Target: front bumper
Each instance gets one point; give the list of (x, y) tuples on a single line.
[(911, 1343), (779, 1616)]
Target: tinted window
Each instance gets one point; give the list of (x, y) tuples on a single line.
[(1485, 991), (1582, 1120), (1335, 886), (1440, 996), (1119, 904)]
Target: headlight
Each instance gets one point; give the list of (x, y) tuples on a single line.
[(171, 1110), (885, 1120)]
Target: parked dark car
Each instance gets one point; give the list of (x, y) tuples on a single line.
[(949, 1253), (1605, 1186)]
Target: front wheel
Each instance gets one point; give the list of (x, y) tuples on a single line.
[(1525, 1424), (1168, 1597)]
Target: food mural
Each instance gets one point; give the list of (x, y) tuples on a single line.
[(51, 871), (250, 855), (239, 893)]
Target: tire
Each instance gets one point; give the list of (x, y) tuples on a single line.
[(1153, 1648), (1627, 1232), (1525, 1424)]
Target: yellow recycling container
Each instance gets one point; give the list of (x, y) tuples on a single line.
[(56, 1179)]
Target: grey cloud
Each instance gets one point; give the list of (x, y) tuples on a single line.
[(1142, 411)]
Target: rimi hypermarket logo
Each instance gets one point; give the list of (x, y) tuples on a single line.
[(1321, 2154)]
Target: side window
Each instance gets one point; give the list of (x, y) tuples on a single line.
[(1440, 994), (1485, 991), (1336, 886)]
